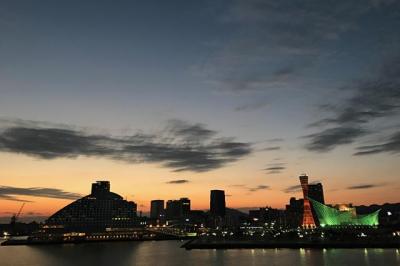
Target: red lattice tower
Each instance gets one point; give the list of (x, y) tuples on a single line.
[(308, 219)]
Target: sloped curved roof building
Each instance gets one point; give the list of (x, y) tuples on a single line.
[(329, 216), (100, 211)]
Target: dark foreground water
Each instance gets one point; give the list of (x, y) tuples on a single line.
[(168, 253)]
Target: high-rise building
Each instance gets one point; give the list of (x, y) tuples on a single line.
[(316, 192), (177, 209), (217, 203), (294, 212), (157, 210), (185, 206), (308, 219)]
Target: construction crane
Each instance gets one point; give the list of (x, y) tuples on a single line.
[(15, 217)]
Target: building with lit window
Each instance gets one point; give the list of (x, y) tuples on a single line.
[(177, 209), (100, 211), (157, 210)]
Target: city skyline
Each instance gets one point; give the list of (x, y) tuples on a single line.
[(172, 100)]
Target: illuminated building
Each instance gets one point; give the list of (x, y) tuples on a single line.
[(217, 203), (100, 211), (185, 205), (308, 219), (344, 215), (273, 218)]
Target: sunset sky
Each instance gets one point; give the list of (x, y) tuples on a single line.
[(169, 99)]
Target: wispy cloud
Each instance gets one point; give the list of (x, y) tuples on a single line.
[(250, 189), (297, 188), (10, 193), (272, 148), (179, 181), (291, 189), (275, 168), (391, 145), (364, 186), (181, 146), (330, 138), (373, 98), (293, 31), (259, 187)]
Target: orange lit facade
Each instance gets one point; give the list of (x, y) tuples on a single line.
[(308, 220)]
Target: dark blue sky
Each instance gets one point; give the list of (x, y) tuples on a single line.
[(304, 84)]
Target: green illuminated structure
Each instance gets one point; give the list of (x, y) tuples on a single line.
[(328, 216)]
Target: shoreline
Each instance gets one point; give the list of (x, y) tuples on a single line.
[(29, 242), (254, 244)]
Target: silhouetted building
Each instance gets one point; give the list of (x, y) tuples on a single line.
[(316, 192), (101, 188), (185, 205), (308, 219), (177, 209), (157, 211), (197, 217), (268, 217), (217, 203), (100, 211), (294, 212)]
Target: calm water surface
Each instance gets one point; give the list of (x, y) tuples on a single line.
[(168, 253)]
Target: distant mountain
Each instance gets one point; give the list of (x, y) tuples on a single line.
[(235, 213)]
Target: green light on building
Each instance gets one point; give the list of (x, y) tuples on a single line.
[(328, 216)]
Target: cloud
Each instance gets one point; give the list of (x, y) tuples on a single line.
[(12, 198), (291, 189), (9, 193), (179, 181), (251, 189), (276, 140), (273, 148), (272, 44), (181, 146), (364, 186), (259, 187), (330, 138), (392, 145), (372, 98), (297, 188), (275, 168)]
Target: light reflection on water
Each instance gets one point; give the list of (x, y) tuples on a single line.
[(168, 253)]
